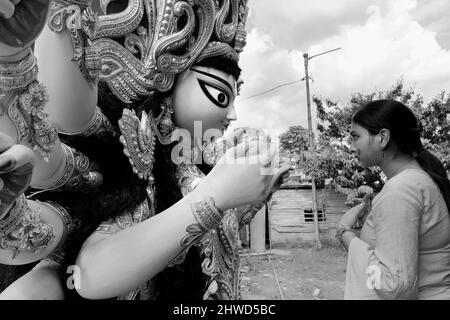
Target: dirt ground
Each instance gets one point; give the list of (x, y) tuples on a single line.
[(302, 273)]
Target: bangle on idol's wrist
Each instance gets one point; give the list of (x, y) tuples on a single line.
[(208, 217), (206, 213), (17, 76)]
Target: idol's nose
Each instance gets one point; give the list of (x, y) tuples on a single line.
[(231, 115)]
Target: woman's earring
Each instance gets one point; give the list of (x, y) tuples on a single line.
[(166, 126), (382, 153)]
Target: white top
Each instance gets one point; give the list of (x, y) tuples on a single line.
[(404, 248)]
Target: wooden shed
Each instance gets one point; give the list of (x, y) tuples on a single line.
[(291, 219)]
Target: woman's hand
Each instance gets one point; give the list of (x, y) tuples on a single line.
[(244, 175), (363, 193), (16, 168), (358, 213), (21, 21)]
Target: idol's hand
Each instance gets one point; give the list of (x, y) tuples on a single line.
[(244, 175), (21, 21), (246, 213), (241, 135), (16, 167), (215, 151)]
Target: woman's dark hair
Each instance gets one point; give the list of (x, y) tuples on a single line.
[(405, 133)]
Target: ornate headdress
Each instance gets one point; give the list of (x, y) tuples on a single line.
[(139, 46), (143, 47)]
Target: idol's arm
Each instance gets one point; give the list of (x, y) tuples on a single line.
[(72, 98), (43, 282), (17, 122), (59, 90), (112, 265), (29, 230)]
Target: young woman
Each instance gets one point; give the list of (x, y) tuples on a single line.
[(403, 251), (154, 223)]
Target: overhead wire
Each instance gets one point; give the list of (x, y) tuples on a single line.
[(272, 89)]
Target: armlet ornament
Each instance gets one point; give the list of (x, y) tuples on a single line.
[(27, 110), (73, 16), (17, 76), (23, 229), (71, 224), (80, 174), (99, 126)]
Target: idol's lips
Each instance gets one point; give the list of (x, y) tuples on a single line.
[(225, 124)]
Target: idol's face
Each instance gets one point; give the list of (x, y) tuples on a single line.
[(204, 95), (364, 146)]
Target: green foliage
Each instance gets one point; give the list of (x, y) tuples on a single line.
[(333, 158), (295, 140)]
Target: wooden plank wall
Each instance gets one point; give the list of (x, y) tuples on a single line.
[(286, 215)]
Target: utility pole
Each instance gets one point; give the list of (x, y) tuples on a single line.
[(312, 147)]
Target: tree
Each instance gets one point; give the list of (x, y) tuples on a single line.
[(293, 143), (333, 121), (434, 121), (333, 157), (295, 140)]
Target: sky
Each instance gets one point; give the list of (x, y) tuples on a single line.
[(382, 41)]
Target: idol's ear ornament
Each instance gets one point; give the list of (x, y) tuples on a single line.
[(138, 139)]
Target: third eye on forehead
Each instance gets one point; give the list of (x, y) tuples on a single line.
[(221, 80)]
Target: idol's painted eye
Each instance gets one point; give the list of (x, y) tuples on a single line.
[(215, 94)]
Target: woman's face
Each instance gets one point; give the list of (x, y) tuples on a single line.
[(364, 146), (206, 95)]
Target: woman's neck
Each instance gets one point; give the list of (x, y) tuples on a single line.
[(394, 164)]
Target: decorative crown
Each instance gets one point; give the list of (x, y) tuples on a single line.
[(143, 47)]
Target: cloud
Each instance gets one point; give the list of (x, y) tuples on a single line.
[(381, 42), (429, 13), (295, 24), (266, 66), (388, 46)]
